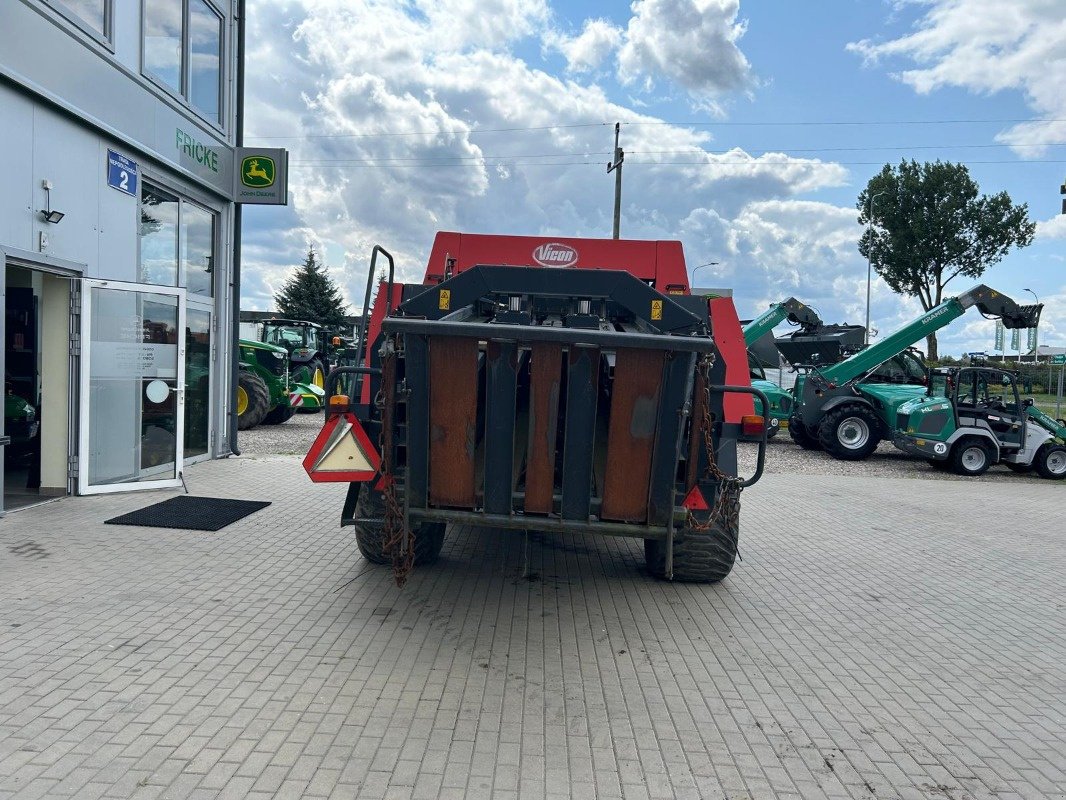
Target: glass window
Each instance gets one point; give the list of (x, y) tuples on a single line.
[(205, 58), (197, 248), (162, 41), (93, 13), (159, 237)]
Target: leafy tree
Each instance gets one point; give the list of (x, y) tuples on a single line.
[(926, 225), (310, 294)]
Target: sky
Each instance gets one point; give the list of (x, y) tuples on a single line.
[(749, 129)]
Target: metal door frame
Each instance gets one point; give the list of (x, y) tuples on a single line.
[(88, 284)]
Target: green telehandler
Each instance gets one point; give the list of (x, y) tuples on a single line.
[(973, 417), (849, 407), (780, 400)]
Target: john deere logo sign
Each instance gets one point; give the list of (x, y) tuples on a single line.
[(257, 171)]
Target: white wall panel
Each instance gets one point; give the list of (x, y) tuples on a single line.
[(16, 189)]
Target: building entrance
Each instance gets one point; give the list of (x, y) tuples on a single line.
[(37, 367)]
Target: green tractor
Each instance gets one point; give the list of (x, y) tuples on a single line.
[(307, 344), (972, 417), (20, 424), (266, 391), (849, 407)]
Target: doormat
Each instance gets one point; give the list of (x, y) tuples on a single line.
[(190, 513)]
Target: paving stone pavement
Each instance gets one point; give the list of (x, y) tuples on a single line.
[(882, 638)]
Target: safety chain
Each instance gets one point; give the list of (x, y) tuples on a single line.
[(398, 540), (727, 501)]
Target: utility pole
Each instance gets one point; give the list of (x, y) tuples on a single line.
[(616, 167)]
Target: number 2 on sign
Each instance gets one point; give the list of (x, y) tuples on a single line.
[(656, 309)]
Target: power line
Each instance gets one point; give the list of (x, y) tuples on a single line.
[(675, 123), (751, 163)]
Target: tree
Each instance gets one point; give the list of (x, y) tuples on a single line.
[(926, 225), (310, 294)]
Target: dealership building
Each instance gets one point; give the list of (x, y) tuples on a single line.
[(119, 123)]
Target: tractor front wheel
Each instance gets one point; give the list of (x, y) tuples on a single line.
[(971, 457), (699, 556), (850, 433), (800, 435), (1050, 461), (370, 536), (253, 400)]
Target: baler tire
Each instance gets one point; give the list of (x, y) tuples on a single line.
[(258, 400), (1050, 462), (370, 538), (829, 437), (800, 435), (280, 413), (699, 556)]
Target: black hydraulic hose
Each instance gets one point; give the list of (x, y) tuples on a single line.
[(235, 284)]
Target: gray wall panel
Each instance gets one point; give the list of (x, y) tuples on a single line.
[(16, 192)]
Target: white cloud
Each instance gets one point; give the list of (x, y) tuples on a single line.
[(1054, 228), (989, 46), (597, 40), (691, 42)]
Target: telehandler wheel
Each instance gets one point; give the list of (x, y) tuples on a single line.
[(800, 435), (699, 556), (850, 433), (370, 538), (279, 414), (253, 400), (971, 456), (1050, 461)]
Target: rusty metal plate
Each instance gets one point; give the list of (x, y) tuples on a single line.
[(638, 376), (544, 387), (453, 387)]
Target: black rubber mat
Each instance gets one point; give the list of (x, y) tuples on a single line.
[(190, 513)]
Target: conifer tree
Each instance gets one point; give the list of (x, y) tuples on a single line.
[(310, 294)]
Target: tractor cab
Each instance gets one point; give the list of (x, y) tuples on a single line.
[(989, 397)]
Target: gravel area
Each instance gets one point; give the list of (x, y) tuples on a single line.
[(783, 456), (289, 438)]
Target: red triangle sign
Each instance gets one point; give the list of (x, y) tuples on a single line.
[(694, 500), (342, 452)]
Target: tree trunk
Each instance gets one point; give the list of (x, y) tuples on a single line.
[(930, 343)]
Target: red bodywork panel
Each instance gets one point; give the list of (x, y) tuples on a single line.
[(729, 338), (662, 262)]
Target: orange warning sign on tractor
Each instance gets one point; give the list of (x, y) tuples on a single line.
[(342, 452)]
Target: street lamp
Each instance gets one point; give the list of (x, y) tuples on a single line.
[(701, 266), (869, 260), (1036, 343)]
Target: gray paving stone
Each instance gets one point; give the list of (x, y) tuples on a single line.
[(878, 639)]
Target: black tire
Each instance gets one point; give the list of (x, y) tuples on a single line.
[(800, 435), (370, 538), (1021, 469), (1050, 462), (971, 457), (699, 556), (850, 433), (256, 400), (279, 414), (939, 464)]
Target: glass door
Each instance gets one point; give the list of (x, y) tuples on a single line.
[(199, 352), (132, 387)]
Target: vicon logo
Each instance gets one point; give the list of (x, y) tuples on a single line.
[(554, 254)]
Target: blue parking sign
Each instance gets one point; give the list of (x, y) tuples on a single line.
[(121, 173)]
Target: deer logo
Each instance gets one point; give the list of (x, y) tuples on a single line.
[(257, 171)]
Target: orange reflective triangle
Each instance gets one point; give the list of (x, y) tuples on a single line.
[(694, 500)]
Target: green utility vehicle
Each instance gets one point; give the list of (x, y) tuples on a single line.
[(841, 409), (307, 344), (972, 417), (266, 392)]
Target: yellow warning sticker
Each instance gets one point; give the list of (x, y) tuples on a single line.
[(656, 309), (445, 301)]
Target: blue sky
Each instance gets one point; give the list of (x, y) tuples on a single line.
[(750, 129)]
